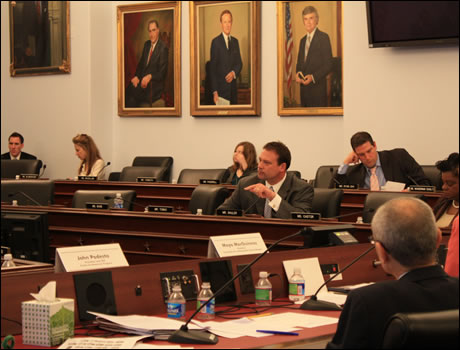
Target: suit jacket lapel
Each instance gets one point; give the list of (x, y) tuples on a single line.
[(286, 187), (386, 166), (260, 205)]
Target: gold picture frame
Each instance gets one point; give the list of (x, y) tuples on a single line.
[(240, 96), (322, 96), (39, 37), (140, 25)]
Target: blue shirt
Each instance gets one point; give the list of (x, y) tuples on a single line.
[(379, 172)]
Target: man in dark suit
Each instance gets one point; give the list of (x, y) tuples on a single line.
[(396, 165), (225, 63), (15, 145), (272, 192), (151, 69), (406, 240), (314, 61)]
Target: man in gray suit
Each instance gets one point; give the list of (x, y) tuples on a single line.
[(272, 192)]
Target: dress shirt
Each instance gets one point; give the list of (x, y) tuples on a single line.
[(276, 202), (379, 172)]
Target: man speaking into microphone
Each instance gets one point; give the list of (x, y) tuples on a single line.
[(272, 192)]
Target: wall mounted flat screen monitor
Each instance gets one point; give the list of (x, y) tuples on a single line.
[(26, 233), (411, 23)]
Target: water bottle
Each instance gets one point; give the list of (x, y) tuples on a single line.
[(263, 290), (8, 261), (176, 304), (206, 313), (359, 220), (296, 286), (199, 211), (118, 201), (15, 203)]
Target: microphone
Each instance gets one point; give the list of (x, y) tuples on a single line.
[(370, 210), (252, 204), (25, 195), (43, 171), (105, 166), (130, 202), (412, 179), (331, 170), (314, 304), (184, 335)]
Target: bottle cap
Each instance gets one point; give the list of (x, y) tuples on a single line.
[(8, 257), (297, 270), (263, 274), (118, 195), (15, 202), (17, 177), (177, 288), (199, 211), (206, 285)]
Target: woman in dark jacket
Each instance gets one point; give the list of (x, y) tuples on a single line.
[(244, 163)]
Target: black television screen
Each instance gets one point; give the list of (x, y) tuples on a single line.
[(409, 23), (26, 233)]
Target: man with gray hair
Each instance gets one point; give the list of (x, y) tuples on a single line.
[(406, 240)]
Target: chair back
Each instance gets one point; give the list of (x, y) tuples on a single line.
[(437, 329), (193, 176), (41, 191), (165, 162), (207, 198), (324, 175), (131, 173), (326, 201), (376, 199), (11, 168), (296, 173), (114, 176), (81, 197), (434, 175)]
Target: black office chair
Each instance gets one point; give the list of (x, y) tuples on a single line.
[(165, 162), (39, 191), (296, 173), (207, 198), (114, 176), (11, 168), (131, 173), (434, 175), (376, 199), (323, 177), (327, 202), (193, 176), (81, 197), (426, 330)]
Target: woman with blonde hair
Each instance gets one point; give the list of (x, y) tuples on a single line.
[(91, 163), (244, 163)]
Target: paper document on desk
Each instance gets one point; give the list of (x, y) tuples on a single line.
[(101, 343), (393, 186)]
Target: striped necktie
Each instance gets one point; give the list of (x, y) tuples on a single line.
[(268, 208), (374, 181)]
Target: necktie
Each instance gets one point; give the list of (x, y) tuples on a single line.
[(307, 45), (268, 208), (374, 180), (150, 54), (228, 42)]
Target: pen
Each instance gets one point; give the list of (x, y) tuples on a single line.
[(277, 332)]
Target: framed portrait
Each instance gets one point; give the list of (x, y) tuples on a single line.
[(149, 59), (310, 58), (225, 58), (39, 37)]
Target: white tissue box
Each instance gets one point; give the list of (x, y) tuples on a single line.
[(47, 323)]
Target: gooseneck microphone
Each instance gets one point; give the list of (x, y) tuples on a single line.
[(412, 179), (105, 166), (370, 210), (25, 195), (331, 170), (252, 204), (314, 304), (184, 335), (43, 171), (130, 202)]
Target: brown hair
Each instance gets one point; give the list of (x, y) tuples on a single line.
[(226, 12), (250, 154), (284, 155), (92, 153)]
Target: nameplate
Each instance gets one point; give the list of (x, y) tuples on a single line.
[(209, 182), (29, 176), (422, 188), (160, 209), (305, 216), (90, 257), (229, 212), (347, 186), (90, 205), (146, 179), (87, 178), (235, 245)]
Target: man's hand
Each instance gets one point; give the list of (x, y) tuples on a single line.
[(229, 77), (146, 80), (261, 191), (308, 79), (351, 158), (135, 81)]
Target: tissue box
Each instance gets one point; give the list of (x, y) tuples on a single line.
[(47, 323)]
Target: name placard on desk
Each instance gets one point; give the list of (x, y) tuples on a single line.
[(235, 245), (305, 216), (87, 178), (347, 186), (29, 176), (229, 212), (160, 209), (209, 182), (422, 188), (146, 179), (90, 257), (91, 205)]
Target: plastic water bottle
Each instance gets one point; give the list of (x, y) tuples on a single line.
[(118, 201), (8, 261), (15, 203), (296, 286), (263, 290), (359, 220), (206, 313), (176, 303), (199, 211)]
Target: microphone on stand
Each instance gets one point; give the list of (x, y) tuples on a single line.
[(370, 210), (105, 166), (43, 171), (130, 202), (412, 179), (25, 195), (252, 204), (184, 335), (331, 170)]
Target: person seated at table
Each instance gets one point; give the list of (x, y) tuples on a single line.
[(446, 208), (272, 192), (371, 169), (15, 145), (451, 266), (91, 163), (244, 163), (406, 240)]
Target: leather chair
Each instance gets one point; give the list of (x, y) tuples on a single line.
[(376, 199), (11, 168), (131, 173), (424, 330), (434, 175), (323, 177), (193, 176), (327, 202), (165, 162), (81, 197), (41, 191), (207, 198), (114, 176), (296, 173)]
